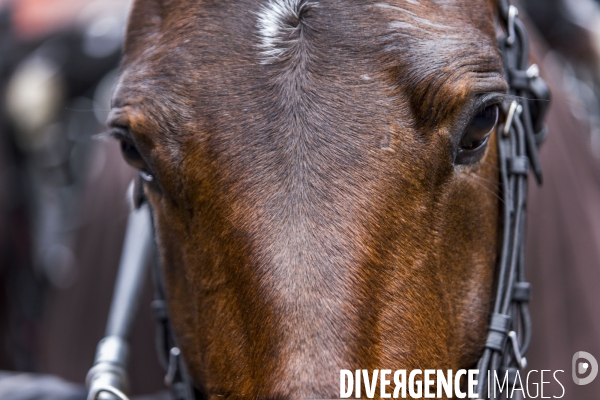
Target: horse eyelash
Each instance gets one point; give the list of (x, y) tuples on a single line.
[(491, 99), (117, 133)]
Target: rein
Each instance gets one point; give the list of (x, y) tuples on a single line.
[(509, 333)]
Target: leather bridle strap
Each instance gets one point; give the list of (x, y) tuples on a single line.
[(107, 379), (509, 332), (177, 378)]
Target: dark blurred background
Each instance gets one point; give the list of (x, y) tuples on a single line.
[(63, 208)]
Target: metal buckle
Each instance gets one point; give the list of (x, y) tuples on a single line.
[(522, 361), (512, 15)]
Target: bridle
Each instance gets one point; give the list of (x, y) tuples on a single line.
[(518, 139), (509, 333)]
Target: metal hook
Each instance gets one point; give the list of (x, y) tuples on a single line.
[(515, 108), (522, 361), (533, 71), (173, 364), (512, 15), (146, 176)]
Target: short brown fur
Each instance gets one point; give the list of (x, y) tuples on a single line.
[(308, 213)]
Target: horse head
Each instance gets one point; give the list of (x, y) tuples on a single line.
[(323, 182)]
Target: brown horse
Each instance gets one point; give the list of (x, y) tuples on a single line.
[(323, 183)]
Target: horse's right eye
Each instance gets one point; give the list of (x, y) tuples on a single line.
[(133, 157), (475, 137)]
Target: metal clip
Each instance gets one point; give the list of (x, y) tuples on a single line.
[(146, 176), (515, 108), (533, 71), (512, 15), (173, 364), (522, 361), (107, 379), (102, 392)]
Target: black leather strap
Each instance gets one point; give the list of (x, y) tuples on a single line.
[(499, 326), (176, 377), (522, 292), (517, 141)]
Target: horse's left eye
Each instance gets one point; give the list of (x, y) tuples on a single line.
[(477, 134)]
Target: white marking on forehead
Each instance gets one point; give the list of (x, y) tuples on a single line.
[(274, 29)]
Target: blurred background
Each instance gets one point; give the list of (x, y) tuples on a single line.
[(63, 208)]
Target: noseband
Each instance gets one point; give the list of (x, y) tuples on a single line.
[(509, 332)]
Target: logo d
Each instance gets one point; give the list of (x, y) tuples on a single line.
[(583, 367)]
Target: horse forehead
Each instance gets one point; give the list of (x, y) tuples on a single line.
[(204, 57), (261, 32)]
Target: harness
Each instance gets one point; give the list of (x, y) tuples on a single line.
[(509, 333)]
